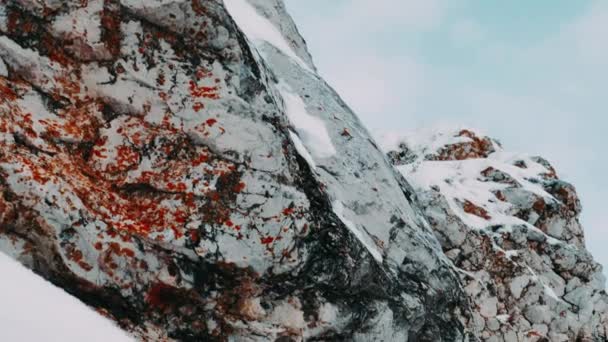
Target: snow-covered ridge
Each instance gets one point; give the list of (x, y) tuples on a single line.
[(261, 30), (474, 185), (511, 228), (312, 137)]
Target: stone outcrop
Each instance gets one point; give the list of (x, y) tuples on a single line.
[(180, 167), (511, 227)]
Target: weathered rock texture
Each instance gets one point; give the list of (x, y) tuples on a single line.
[(179, 166), (193, 178), (510, 226)]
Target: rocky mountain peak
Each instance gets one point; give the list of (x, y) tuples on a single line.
[(512, 229)]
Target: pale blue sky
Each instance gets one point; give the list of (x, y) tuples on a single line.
[(531, 73)]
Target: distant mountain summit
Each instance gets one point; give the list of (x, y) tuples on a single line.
[(511, 228), (181, 167)]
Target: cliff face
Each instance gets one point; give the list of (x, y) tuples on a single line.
[(511, 228), (180, 167)]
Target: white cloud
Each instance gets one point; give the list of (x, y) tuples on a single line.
[(373, 83), (386, 14), (357, 23), (375, 86), (529, 124), (590, 32)]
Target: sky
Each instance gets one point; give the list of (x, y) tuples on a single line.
[(532, 74)]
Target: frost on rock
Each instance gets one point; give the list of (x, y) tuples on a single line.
[(311, 129), (261, 29), (177, 165), (361, 236), (299, 145), (511, 226)]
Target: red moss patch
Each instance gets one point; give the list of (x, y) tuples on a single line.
[(266, 240), (477, 148), (471, 208), (160, 295)]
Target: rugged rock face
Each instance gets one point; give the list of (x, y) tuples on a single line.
[(510, 226), (180, 167)]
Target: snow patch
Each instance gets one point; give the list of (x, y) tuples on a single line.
[(423, 141), (503, 318), (289, 314), (34, 310), (460, 181), (14, 55), (549, 291), (457, 181), (259, 29), (362, 236), (3, 69), (302, 149), (311, 129), (328, 313), (85, 21)]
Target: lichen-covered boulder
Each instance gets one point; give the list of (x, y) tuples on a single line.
[(180, 167)]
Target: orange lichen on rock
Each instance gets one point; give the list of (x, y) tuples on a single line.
[(471, 208), (7, 94), (165, 297), (139, 214), (75, 123), (110, 24), (203, 91), (266, 240), (476, 148), (126, 158)]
